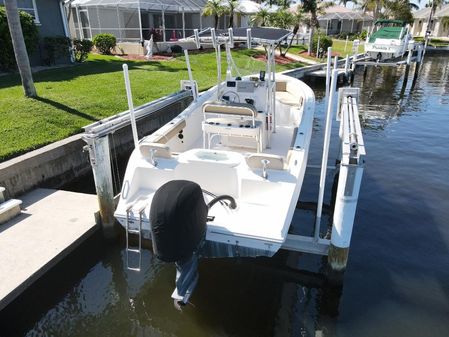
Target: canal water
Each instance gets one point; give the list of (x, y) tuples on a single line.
[(396, 283)]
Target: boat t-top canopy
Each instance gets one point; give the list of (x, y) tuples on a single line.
[(261, 35)]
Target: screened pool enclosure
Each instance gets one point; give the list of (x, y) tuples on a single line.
[(136, 20)]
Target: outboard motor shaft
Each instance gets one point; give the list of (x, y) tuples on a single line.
[(178, 218)]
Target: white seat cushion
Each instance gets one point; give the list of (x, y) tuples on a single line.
[(287, 98)]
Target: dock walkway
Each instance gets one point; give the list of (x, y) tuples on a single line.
[(51, 225)]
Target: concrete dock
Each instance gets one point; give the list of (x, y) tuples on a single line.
[(51, 225)]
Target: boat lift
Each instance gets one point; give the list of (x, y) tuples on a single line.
[(351, 163)]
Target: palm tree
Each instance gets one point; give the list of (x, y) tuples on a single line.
[(20, 52), (313, 8), (231, 6), (398, 10), (374, 6), (261, 18), (284, 4), (214, 7), (345, 2), (298, 18), (434, 4)]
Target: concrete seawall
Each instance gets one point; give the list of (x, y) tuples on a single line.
[(58, 163)]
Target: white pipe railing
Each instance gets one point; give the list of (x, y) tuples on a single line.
[(130, 105), (328, 72), (189, 70), (327, 134)]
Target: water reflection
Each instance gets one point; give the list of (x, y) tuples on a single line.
[(234, 297), (376, 106)]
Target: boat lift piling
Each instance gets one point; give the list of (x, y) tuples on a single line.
[(349, 180)]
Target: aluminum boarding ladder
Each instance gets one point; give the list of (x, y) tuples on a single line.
[(135, 208)]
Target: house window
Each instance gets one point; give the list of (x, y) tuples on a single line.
[(28, 6)]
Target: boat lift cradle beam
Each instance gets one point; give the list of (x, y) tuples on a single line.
[(351, 171)]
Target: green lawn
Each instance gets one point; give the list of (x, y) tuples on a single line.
[(72, 97), (338, 46)]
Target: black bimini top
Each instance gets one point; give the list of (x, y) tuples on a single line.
[(258, 34)]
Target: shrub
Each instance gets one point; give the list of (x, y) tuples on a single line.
[(104, 43), (81, 49), (325, 41), (363, 35), (30, 35), (56, 47), (176, 49), (350, 36)]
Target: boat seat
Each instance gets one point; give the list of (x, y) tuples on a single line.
[(160, 150), (168, 131), (287, 98), (254, 161), (281, 86), (238, 109), (247, 126)]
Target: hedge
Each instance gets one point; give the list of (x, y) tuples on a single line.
[(30, 35)]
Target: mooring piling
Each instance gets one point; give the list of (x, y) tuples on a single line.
[(100, 161)]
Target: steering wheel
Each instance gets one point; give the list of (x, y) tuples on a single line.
[(233, 97)]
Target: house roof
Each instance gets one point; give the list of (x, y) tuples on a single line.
[(342, 13), (192, 6), (337, 9), (337, 12), (424, 13)]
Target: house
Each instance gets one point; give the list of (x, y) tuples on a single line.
[(50, 20), (133, 21), (437, 27), (339, 19)]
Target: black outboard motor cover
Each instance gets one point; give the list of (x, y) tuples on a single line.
[(178, 218)]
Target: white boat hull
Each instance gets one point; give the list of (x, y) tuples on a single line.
[(260, 223), (383, 50)]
